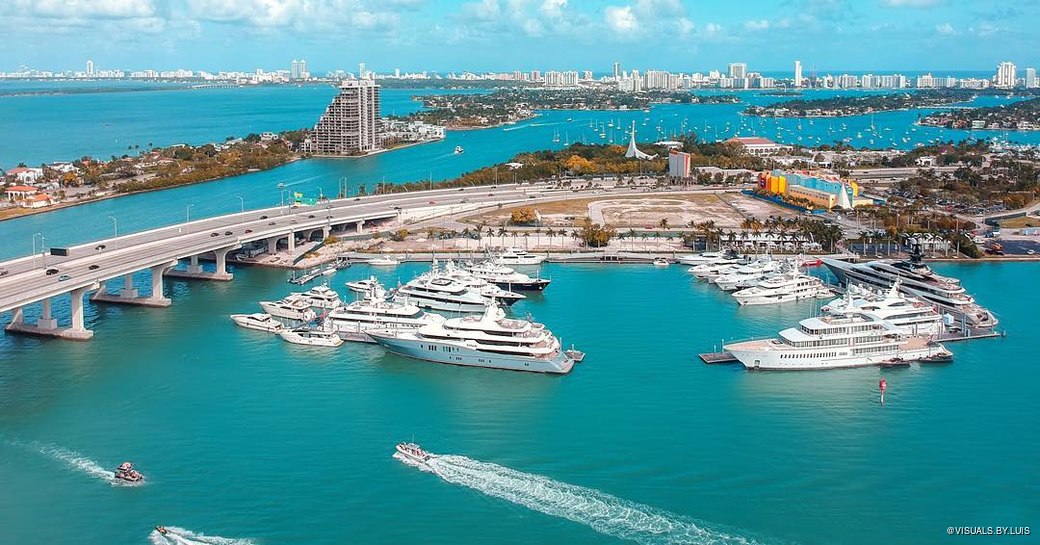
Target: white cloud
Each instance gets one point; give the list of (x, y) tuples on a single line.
[(761, 24), (945, 29), (484, 10), (553, 9), (659, 8), (80, 9), (713, 29), (684, 26), (621, 19)]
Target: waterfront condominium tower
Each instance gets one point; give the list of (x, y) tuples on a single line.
[(350, 124), (797, 73)]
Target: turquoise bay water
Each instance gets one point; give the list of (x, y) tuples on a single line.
[(243, 435)]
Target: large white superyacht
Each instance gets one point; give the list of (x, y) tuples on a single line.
[(506, 277), (918, 280), (485, 288), (845, 338), (517, 256), (783, 287), (488, 340), (440, 293), (373, 311), (912, 315)]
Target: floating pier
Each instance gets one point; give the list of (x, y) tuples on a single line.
[(717, 357)]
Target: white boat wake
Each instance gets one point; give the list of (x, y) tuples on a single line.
[(77, 462), (180, 536), (602, 512)]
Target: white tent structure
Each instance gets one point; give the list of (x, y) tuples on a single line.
[(633, 151)]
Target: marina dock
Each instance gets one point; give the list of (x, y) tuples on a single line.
[(712, 358)]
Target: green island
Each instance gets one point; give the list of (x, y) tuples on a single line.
[(1018, 116), (463, 111), (842, 106)]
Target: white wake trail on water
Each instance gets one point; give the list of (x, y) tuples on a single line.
[(600, 511), (180, 536), (76, 461)]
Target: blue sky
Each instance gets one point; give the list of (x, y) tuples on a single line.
[(441, 35)]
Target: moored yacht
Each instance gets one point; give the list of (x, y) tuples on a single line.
[(373, 311), (843, 339), (912, 315), (487, 289), (292, 308), (362, 286), (440, 293), (488, 340), (700, 259), (783, 287), (312, 337), (918, 280), (383, 261), (747, 275), (258, 321), (507, 278), (517, 256), (321, 296)]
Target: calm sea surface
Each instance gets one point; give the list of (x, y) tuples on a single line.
[(242, 435)]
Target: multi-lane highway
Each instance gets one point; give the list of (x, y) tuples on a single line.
[(26, 280)]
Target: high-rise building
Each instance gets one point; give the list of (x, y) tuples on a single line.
[(90, 68), (679, 164), (797, 73), (737, 70), (587, 75), (362, 73), (304, 74), (397, 72), (561, 79), (294, 70), (617, 71), (536, 75), (351, 123), (1031, 82), (1007, 75)]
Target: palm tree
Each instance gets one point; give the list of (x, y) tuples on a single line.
[(663, 223)]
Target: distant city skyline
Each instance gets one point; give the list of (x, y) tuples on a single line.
[(499, 35)]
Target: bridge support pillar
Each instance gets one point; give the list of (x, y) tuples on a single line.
[(128, 291), (360, 223), (193, 266), (272, 245), (46, 321), (78, 329), (326, 232), (221, 256), (292, 242), (157, 296)]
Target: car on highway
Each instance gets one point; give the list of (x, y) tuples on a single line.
[(311, 216), (51, 271), (357, 198), (397, 208), (247, 231), (273, 223), (214, 234), (3, 272), (94, 267), (228, 233), (491, 194), (433, 202), (263, 217), (63, 278), (99, 247)]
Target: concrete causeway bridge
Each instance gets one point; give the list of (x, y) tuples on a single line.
[(85, 268)]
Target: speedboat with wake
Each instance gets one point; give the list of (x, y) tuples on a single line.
[(413, 452), (126, 472)]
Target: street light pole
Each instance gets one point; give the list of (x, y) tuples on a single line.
[(115, 227), (34, 246), (241, 203), (187, 216)]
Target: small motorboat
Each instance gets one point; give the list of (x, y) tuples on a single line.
[(258, 321), (312, 337), (412, 452), (812, 262), (458, 149), (161, 529), (126, 472), (896, 362), (938, 357), (660, 262), (383, 261)]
